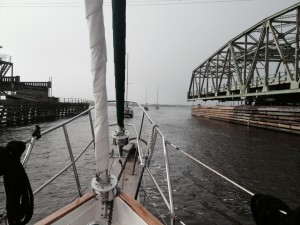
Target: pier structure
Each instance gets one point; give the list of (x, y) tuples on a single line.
[(260, 65), (12, 87), (5, 66), (31, 102), (22, 112)]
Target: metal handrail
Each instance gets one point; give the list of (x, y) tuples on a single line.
[(62, 171), (169, 202), (62, 125), (73, 161), (33, 139)]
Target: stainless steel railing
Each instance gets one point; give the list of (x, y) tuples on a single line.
[(168, 201), (73, 161)]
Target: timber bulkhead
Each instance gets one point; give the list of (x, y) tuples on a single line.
[(30, 102), (281, 118), (22, 112)]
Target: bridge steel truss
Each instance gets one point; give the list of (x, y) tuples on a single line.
[(260, 63), (5, 66)]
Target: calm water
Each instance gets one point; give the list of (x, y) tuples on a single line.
[(260, 160)]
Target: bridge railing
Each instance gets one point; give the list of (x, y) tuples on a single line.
[(16, 79), (38, 84), (73, 100), (274, 79), (11, 79)]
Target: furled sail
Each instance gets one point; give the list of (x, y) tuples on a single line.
[(95, 21)]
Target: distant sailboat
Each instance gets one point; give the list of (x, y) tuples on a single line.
[(146, 105), (156, 106)]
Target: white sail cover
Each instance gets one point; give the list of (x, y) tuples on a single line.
[(94, 16)]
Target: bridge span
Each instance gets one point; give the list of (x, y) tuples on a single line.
[(259, 65)]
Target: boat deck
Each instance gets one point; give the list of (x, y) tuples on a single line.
[(129, 179)]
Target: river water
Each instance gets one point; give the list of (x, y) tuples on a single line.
[(262, 161)]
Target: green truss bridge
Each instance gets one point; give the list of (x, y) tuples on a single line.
[(259, 65)]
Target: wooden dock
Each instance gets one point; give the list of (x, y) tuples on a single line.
[(31, 102), (22, 112), (281, 118)]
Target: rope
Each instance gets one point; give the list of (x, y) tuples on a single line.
[(151, 144), (2, 217), (266, 209), (147, 158), (19, 197)]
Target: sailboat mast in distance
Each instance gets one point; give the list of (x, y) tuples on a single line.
[(146, 105), (127, 77), (157, 107)]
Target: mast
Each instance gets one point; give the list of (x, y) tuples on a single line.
[(119, 37), (127, 77), (157, 107), (146, 97), (157, 96)]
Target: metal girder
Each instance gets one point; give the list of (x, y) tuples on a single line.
[(280, 51), (4, 68), (236, 68), (297, 46), (264, 58), (256, 54)]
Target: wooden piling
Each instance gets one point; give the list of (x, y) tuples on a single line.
[(20, 112)]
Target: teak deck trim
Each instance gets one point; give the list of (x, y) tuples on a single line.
[(67, 209), (133, 204), (139, 209)]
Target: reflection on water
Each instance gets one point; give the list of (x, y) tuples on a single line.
[(260, 160)]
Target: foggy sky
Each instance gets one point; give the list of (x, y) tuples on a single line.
[(164, 42)]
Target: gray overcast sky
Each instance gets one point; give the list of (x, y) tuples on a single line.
[(165, 42)]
